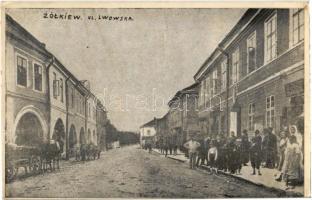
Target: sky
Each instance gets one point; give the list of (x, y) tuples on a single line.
[(134, 66)]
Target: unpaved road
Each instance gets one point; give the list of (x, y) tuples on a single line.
[(132, 172)]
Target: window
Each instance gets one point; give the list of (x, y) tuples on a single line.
[(270, 38), (72, 98), (203, 93), (214, 81), (80, 105), (89, 111), (55, 86), (208, 89), (62, 89), (21, 71), (38, 77), (223, 75), (297, 24), (235, 66), (251, 52), (251, 113), (270, 111)]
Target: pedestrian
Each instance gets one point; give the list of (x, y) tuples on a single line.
[(192, 146), (238, 156), (282, 148), (220, 144), (202, 153), (292, 133), (274, 147), (171, 145), (213, 156), (231, 151), (175, 149), (293, 163), (161, 145), (245, 147), (255, 153), (270, 148), (166, 146)]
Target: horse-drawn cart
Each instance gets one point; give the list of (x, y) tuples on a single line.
[(17, 157)]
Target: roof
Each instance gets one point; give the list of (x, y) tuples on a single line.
[(10, 21), (188, 90), (150, 123), (232, 34)]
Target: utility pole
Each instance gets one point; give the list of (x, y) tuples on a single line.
[(227, 85)]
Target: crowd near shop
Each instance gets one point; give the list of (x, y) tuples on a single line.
[(246, 106)]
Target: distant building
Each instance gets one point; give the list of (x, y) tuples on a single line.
[(148, 131), (101, 122), (162, 129), (183, 114)]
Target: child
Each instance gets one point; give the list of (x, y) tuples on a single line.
[(238, 156), (213, 156)]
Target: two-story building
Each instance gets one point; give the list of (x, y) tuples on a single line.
[(43, 100), (91, 103), (254, 78), (76, 117), (162, 127), (183, 114), (175, 135), (148, 132), (190, 121), (101, 122), (27, 116)]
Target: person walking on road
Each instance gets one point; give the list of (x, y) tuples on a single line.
[(255, 153), (213, 156), (202, 153), (245, 147), (192, 146)]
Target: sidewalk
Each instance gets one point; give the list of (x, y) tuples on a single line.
[(266, 180)]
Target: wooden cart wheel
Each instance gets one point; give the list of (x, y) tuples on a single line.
[(34, 164), (9, 174)]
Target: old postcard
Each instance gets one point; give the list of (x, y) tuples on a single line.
[(155, 100)]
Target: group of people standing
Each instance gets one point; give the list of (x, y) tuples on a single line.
[(167, 146), (266, 150)]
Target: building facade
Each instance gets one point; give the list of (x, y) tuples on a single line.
[(26, 87), (254, 78), (43, 100), (183, 115), (161, 127), (190, 122), (101, 122)]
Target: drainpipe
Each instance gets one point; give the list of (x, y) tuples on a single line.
[(48, 92), (227, 86), (66, 133)]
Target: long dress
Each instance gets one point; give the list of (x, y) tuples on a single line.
[(293, 162)]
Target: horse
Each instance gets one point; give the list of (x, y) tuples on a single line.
[(50, 154), (93, 151)]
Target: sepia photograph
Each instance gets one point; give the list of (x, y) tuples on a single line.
[(155, 102)]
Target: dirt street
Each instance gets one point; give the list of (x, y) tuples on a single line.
[(132, 172)]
